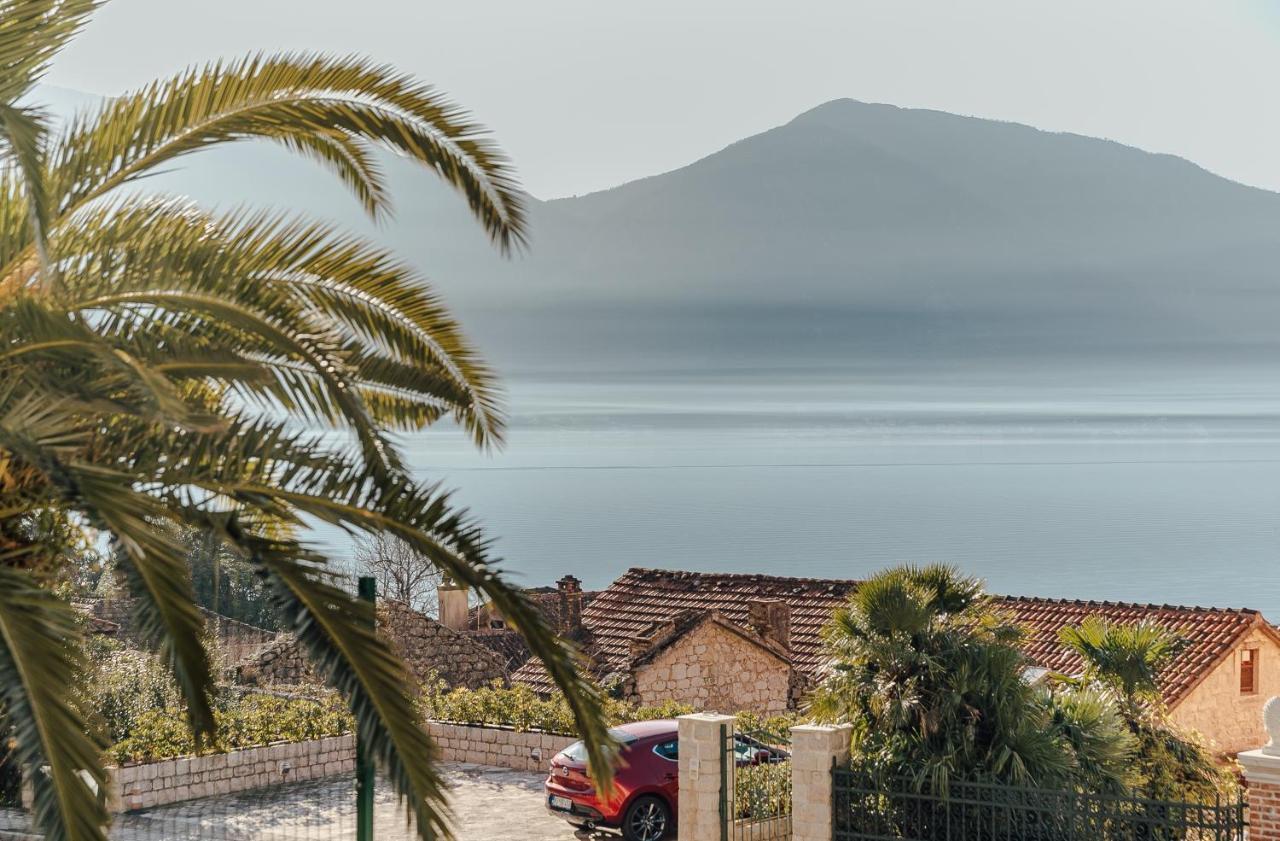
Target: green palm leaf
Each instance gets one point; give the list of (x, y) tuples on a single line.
[(40, 663)]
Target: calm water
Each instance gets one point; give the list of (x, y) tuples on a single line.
[(1117, 485)]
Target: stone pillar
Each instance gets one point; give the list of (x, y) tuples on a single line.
[(701, 757), (1262, 776), (815, 749)]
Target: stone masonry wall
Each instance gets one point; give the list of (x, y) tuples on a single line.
[(1216, 708), (714, 669), (157, 783), (497, 746), (426, 645), (144, 786)]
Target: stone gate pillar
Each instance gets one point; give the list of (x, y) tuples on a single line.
[(815, 749), (701, 774)]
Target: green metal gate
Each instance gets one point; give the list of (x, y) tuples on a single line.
[(755, 785)]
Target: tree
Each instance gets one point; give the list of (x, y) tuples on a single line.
[(225, 583), (1126, 660), (164, 367), (402, 573), (930, 675)]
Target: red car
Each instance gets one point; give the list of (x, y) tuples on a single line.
[(646, 785)]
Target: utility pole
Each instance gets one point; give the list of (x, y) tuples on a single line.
[(365, 778)]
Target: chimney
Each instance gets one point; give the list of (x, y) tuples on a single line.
[(453, 604), (771, 619), (570, 604)]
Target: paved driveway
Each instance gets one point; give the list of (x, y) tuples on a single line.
[(492, 804), (489, 804)]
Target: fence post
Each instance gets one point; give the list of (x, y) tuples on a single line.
[(365, 776), (702, 773), (815, 750)]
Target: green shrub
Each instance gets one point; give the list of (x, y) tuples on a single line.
[(762, 791), (123, 686), (521, 709), (244, 722)]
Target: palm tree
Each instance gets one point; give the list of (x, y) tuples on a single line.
[(930, 675), (1126, 660), (1125, 657), (161, 367)]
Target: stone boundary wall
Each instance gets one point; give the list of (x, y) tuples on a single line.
[(501, 747), (146, 785), (150, 784)]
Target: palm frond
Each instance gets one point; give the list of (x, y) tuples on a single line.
[(32, 32), (40, 664), (331, 109)]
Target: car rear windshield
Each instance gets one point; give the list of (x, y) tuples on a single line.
[(578, 751)]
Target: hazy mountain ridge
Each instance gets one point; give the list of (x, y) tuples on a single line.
[(852, 230)]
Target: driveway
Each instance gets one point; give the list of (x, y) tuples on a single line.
[(489, 804)]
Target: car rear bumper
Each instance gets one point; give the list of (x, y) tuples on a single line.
[(578, 814)]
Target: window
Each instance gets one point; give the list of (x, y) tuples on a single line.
[(668, 750), (1249, 671), (497, 624)]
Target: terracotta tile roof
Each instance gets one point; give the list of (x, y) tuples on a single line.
[(643, 597), (1210, 633)]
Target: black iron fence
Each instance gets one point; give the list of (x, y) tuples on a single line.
[(899, 810)]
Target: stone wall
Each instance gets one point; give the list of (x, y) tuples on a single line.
[(144, 786), (712, 668), (1217, 709), (497, 746), (426, 646)]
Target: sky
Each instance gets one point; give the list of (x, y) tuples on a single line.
[(587, 94)]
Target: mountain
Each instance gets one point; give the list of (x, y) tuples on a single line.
[(854, 233), (860, 230)]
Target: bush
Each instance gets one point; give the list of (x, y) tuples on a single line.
[(521, 709), (123, 686), (762, 791), (249, 721)]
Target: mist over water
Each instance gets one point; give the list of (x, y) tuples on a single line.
[(1143, 483)]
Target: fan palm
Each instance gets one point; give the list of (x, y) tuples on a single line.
[(1125, 657), (161, 365), (1126, 660), (930, 675)]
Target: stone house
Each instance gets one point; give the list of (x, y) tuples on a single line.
[(428, 647), (729, 642), (561, 608)]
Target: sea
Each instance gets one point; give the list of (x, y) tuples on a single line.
[(1137, 484)]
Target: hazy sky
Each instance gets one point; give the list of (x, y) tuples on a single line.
[(589, 93)]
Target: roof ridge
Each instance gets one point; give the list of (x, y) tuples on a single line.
[(741, 576), (1248, 611)]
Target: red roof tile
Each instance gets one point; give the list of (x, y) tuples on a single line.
[(642, 597), (1209, 634)]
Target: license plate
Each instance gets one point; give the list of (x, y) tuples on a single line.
[(563, 804)]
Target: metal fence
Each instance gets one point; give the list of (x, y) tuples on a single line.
[(755, 786), (866, 810)]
